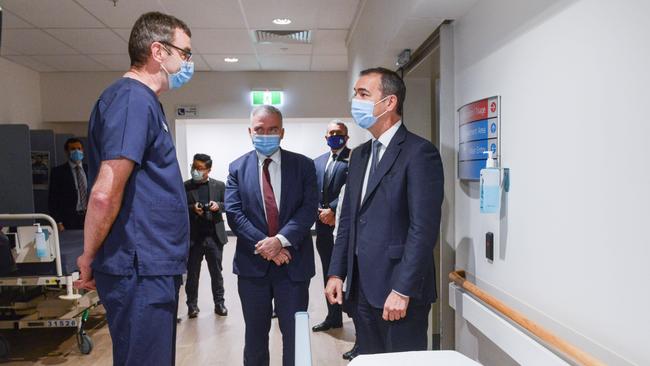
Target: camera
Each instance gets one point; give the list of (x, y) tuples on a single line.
[(204, 206)]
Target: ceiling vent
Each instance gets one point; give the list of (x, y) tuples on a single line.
[(283, 36)]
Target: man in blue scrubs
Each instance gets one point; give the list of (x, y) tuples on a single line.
[(136, 231)]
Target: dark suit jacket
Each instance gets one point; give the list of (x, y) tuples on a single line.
[(298, 209), (62, 200), (396, 227), (216, 189), (332, 189)]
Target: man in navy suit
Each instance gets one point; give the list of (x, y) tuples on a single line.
[(331, 173), (68, 196), (389, 222), (271, 203)]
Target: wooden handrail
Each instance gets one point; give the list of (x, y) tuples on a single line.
[(579, 356)]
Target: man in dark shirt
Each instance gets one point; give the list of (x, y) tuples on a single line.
[(137, 231), (207, 233)]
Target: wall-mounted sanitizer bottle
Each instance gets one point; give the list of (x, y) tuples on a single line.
[(42, 249), (490, 186)]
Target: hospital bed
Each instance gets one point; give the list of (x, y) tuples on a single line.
[(40, 293)]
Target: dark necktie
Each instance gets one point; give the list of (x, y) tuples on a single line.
[(81, 186), (326, 180), (376, 146), (272, 214)]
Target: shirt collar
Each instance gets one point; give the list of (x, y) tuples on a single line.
[(387, 136), (337, 152), (74, 164), (276, 157)]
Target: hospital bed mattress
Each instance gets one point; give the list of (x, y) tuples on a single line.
[(71, 243)]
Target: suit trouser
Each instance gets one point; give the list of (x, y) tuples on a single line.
[(141, 315), (209, 248), (376, 335), (256, 295), (325, 245)]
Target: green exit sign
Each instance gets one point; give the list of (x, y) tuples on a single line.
[(266, 97)]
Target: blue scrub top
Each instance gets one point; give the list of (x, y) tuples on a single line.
[(151, 230)]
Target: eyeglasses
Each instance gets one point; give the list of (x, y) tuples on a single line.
[(185, 54)]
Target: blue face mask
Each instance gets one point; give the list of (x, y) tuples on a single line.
[(76, 155), (197, 176), (180, 78), (266, 144), (361, 111), (336, 142)]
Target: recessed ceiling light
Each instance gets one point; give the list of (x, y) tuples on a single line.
[(282, 21), (231, 59)]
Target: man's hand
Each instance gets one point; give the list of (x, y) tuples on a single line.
[(327, 216), (395, 307), (197, 209), (86, 280), (284, 257), (60, 227), (214, 207), (268, 248), (334, 290)]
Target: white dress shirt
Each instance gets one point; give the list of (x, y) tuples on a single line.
[(275, 173), (384, 139), (73, 166)]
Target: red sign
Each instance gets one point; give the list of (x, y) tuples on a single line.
[(474, 111)]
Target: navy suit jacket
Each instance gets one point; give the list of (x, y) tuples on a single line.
[(337, 180), (395, 228), (62, 198), (298, 211)]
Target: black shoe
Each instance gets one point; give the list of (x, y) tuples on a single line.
[(354, 352), (221, 310), (193, 311), (325, 326)]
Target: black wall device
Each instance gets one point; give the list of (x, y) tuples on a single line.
[(489, 246)]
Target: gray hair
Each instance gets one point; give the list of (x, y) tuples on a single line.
[(266, 110)]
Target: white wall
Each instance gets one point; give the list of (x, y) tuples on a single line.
[(20, 98), (227, 139), (571, 247), (71, 96)]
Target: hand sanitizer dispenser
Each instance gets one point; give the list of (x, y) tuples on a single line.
[(42, 249), (490, 186)]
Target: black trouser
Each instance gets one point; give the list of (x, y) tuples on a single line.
[(209, 247), (74, 221), (325, 245)]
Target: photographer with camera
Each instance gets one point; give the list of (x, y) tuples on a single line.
[(207, 233)]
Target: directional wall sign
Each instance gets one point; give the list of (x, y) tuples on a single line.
[(480, 124)]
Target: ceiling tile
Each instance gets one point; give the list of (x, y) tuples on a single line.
[(29, 62), (330, 42), (124, 14), (34, 42), (71, 63), (119, 62), (210, 14), (260, 13), (219, 41), (53, 14), (336, 14), (6, 51), (283, 49), (286, 62), (10, 21), (199, 63), (246, 63), (125, 33), (91, 41), (329, 63)]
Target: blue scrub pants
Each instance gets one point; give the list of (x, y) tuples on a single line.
[(141, 314)]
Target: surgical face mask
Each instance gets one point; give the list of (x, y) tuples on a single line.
[(197, 176), (362, 110), (182, 76), (76, 155), (266, 144), (336, 142)]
